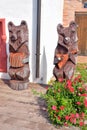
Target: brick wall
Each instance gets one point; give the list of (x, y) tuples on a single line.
[(70, 6)]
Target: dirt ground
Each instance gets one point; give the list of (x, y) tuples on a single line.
[(22, 110)]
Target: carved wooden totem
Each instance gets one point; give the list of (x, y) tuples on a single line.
[(65, 51), (19, 55)]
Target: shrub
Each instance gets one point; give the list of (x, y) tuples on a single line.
[(67, 102)]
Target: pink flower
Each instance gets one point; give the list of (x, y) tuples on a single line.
[(78, 103), (82, 115), (77, 115), (54, 107), (74, 121), (67, 117), (86, 88), (79, 94)]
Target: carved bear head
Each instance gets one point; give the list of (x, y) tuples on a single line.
[(17, 34), (67, 35)]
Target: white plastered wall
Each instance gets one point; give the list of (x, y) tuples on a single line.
[(15, 11), (51, 15)]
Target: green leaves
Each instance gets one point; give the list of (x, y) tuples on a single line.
[(64, 99)]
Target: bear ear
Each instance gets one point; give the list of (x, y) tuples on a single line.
[(73, 24), (23, 22), (59, 28), (10, 24)]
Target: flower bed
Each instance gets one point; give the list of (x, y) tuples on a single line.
[(67, 102)]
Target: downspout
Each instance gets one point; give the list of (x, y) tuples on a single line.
[(38, 38)]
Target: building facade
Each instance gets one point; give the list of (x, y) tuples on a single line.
[(77, 10), (42, 17)]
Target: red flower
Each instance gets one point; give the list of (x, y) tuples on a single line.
[(78, 103), (60, 80), (85, 102), (81, 123), (67, 117), (65, 124), (62, 107), (80, 89), (69, 83), (77, 79), (57, 110), (84, 95), (71, 120), (59, 118), (79, 76), (46, 87), (54, 107), (71, 89), (72, 115), (69, 86)]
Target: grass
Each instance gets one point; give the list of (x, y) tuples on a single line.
[(81, 68)]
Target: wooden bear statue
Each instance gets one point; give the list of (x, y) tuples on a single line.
[(65, 51), (19, 55)]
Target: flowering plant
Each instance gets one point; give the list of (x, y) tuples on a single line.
[(67, 102)]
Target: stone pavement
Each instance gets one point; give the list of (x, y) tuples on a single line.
[(22, 110)]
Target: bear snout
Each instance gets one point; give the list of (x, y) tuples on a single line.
[(13, 38)]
